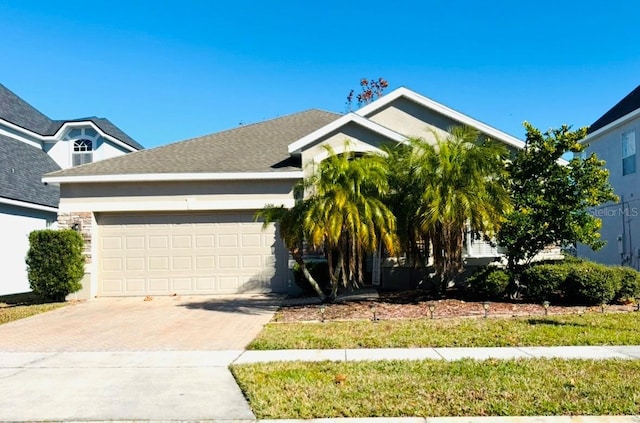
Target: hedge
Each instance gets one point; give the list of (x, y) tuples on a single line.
[(55, 265)]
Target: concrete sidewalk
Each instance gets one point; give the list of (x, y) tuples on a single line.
[(107, 386), (197, 385), (449, 354)]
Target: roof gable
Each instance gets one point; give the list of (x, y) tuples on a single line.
[(21, 170), (303, 142), (629, 104), (405, 93)]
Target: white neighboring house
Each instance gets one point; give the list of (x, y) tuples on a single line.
[(179, 219), (31, 145), (613, 137)]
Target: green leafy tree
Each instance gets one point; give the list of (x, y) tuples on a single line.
[(443, 188), (551, 199)]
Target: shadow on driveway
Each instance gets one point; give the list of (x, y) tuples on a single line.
[(249, 304)]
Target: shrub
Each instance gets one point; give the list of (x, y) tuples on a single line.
[(629, 280), (55, 264), (488, 283), (544, 281), (320, 272), (591, 284)]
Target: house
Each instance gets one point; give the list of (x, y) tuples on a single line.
[(613, 138), (31, 145), (179, 219)]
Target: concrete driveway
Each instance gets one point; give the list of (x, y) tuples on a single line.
[(130, 359)]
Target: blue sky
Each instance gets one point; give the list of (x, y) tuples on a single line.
[(167, 71)]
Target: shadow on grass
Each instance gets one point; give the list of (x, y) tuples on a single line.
[(549, 322), (23, 299)]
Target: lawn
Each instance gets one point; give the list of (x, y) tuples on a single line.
[(438, 388), (19, 306), (587, 329)]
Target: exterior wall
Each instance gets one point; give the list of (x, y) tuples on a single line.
[(17, 223), (175, 196), (107, 150), (412, 120), (621, 221)]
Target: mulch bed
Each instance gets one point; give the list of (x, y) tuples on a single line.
[(415, 305)]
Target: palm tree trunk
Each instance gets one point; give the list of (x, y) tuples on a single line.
[(314, 284)]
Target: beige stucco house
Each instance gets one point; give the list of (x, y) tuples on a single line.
[(179, 219)]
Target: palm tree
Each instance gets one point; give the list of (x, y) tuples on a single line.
[(346, 214), (290, 224), (464, 187)]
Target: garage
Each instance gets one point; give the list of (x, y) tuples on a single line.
[(188, 253)]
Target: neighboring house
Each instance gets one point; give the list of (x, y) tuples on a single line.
[(179, 219), (31, 145), (613, 138)]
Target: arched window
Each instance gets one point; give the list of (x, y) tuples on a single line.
[(82, 152)]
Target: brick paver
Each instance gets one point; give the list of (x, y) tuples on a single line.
[(132, 324)]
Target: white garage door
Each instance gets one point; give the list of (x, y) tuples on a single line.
[(194, 253)]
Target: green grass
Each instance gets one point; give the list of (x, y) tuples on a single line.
[(19, 306), (587, 329), (438, 388)]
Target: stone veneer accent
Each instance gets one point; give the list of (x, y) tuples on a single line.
[(83, 219)]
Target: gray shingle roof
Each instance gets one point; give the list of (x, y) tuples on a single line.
[(260, 147), (21, 170), (17, 111), (625, 106)]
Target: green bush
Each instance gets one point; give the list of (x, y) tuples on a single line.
[(629, 280), (591, 284), (488, 283), (544, 281), (320, 272), (55, 264)]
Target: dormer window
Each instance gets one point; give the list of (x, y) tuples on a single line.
[(82, 152)]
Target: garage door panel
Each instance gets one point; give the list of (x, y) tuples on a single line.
[(135, 285), (207, 284), (205, 262), (158, 264), (181, 241), (133, 264), (205, 241), (158, 242)]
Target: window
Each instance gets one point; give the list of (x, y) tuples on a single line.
[(82, 152), (628, 152)]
